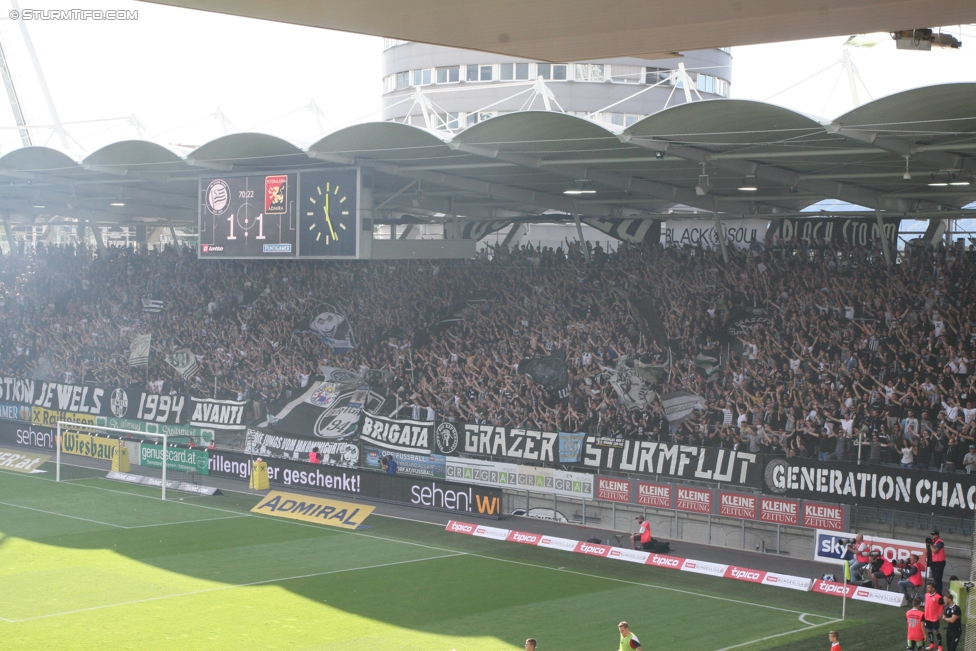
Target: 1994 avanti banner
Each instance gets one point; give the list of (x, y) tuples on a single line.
[(877, 486)]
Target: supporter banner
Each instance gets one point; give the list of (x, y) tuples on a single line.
[(181, 459), (510, 443), (424, 465), (446, 438), (678, 461), (779, 511), (571, 447), (13, 411), (176, 433), (184, 361), (880, 487), (628, 229), (218, 414), (344, 454), (630, 387), (474, 229), (678, 405), (91, 400), (548, 372), (415, 491), (139, 350), (408, 436), (859, 231), (331, 409), (701, 232), (742, 321), (329, 323), (831, 547), (648, 318)]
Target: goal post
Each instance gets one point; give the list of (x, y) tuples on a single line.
[(86, 451)]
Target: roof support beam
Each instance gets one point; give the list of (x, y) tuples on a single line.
[(780, 176), (616, 180), (906, 147), (481, 188)]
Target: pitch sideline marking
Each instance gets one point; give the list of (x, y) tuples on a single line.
[(443, 549), (231, 587), (118, 526), (770, 637)]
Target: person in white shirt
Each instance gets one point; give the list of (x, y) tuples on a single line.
[(969, 461)]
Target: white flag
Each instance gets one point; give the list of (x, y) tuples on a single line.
[(139, 350), (183, 361)]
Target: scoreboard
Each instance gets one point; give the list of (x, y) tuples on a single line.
[(267, 215), (248, 216)]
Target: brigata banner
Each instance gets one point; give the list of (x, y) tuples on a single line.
[(880, 487), (415, 491), (408, 436), (181, 459), (675, 461)]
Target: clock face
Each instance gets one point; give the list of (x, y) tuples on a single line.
[(328, 217)]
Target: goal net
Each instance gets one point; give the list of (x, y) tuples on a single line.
[(143, 458)]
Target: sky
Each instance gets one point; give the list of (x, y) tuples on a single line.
[(173, 68)]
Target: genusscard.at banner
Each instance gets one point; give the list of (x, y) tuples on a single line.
[(881, 487), (678, 461)]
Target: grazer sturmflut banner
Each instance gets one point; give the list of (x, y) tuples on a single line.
[(508, 443), (877, 486), (675, 461)]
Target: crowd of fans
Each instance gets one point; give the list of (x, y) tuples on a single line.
[(853, 351)]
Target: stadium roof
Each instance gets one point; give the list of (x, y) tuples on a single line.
[(571, 30), (521, 165)]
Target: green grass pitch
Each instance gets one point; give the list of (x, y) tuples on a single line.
[(93, 564)]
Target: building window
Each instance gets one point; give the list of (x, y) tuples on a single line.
[(655, 75), (521, 70), (620, 74), (589, 72), (486, 73), (402, 80), (506, 71), (471, 73), (471, 119), (448, 75), (706, 83), (422, 77), (550, 71)]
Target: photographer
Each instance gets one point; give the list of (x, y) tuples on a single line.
[(860, 550), (935, 553), (643, 538), (912, 576), (881, 568)]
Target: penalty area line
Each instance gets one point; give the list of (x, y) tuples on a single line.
[(231, 587), (119, 526)]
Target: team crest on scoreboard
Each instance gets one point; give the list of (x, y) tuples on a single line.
[(276, 194)]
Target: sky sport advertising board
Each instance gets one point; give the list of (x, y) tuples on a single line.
[(829, 548)]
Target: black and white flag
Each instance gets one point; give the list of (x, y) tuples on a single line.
[(631, 230), (151, 305), (139, 350), (183, 361)]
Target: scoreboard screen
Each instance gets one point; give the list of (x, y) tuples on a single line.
[(251, 216)]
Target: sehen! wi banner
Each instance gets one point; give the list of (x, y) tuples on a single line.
[(875, 486), (673, 461)]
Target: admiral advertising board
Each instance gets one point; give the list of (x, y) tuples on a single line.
[(412, 491)]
